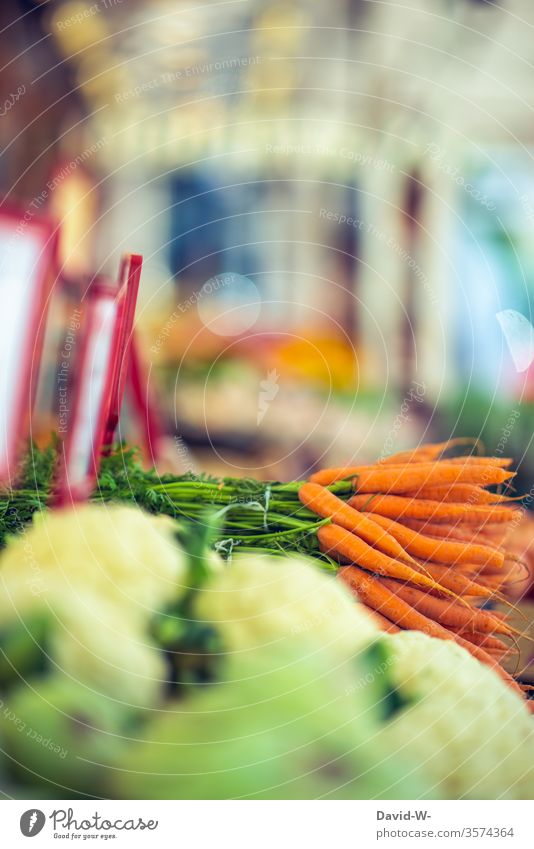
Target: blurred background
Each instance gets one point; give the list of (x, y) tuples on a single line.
[(334, 202)]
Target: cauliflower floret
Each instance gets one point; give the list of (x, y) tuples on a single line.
[(94, 643), (261, 600), (114, 552), (470, 734), (101, 573)]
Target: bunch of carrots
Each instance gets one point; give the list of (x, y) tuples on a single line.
[(422, 543)]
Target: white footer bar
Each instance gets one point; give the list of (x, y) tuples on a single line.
[(269, 825)]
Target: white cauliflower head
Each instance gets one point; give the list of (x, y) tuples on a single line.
[(101, 573), (114, 552), (470, 735), (261, 600)]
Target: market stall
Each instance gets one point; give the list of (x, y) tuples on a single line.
[(266, 359)]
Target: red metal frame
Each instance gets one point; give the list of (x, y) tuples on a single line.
[(43, 232), (130, 274), (98, 392), (81, 449), (144, 405)]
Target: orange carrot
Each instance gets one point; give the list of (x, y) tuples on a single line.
[(479, 573), (451, 530), (488, 535), (512, 570), (340, 543), (377, 596), (502, 462), (391, 477), (457, 582), (448, 613), (418, 455), (498, 654), (439, 550), (404, 478), (468, 493), (485, 641), (395, 507), (427, 452), (325, 477), (492, 582), (381, 621), (329, 506)]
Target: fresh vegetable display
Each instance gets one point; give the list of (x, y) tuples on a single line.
[(375, 522), (188, 637)]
